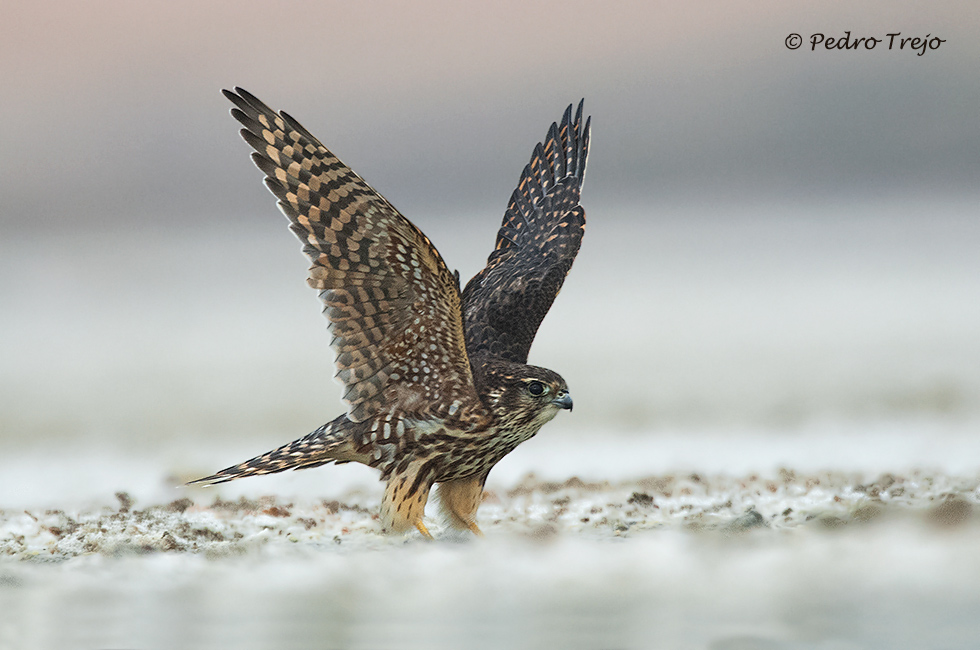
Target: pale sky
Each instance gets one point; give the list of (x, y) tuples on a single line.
[(113, 116)]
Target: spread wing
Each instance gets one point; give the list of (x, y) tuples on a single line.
[(504, 304), (393, 305)]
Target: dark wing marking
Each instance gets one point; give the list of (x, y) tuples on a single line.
[(504, 304), (393, 306)]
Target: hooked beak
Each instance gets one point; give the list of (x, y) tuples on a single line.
[(563, 401)]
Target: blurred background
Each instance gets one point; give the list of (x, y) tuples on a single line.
[(777, 239), (781, 270)]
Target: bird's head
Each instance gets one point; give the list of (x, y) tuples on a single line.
[(522, 396)]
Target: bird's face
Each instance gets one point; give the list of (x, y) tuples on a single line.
[(527, 396), (545, 393)]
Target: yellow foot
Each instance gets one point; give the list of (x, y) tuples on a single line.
[(476, 529), (422, 529)]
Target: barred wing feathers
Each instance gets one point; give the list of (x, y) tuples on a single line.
[(542, 229), (393, 305)]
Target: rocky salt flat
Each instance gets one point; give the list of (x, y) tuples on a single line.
[(750, 545), (785, 502)]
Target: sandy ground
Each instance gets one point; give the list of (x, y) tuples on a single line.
[(532, 509), (779, 558)]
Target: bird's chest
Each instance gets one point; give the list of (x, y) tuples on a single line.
[(463, 455)]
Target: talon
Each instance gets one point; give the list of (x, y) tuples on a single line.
[(476, 529), (422, 529)]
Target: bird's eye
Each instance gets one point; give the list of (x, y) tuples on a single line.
[(536, 388)]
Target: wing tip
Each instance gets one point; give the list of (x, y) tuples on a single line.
[(541, 175)]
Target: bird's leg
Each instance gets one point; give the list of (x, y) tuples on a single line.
[(422, 529), (404, 501), (476, 529), (459, 501)]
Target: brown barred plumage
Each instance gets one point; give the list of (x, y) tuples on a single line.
[(436, 381)]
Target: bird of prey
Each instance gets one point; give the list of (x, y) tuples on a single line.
[(436, 380)]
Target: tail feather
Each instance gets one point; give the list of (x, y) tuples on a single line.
[(328, 444)]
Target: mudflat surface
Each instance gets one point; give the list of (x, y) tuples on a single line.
[(775, 559), (785, 503)]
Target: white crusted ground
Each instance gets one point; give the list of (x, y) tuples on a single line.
[(815, 560), (735, 555), (533, 508)]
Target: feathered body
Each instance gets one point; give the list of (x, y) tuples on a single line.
[(436, 380)]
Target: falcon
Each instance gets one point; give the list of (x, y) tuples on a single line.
[(436, 380)]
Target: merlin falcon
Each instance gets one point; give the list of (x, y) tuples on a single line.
[(436, 380)]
